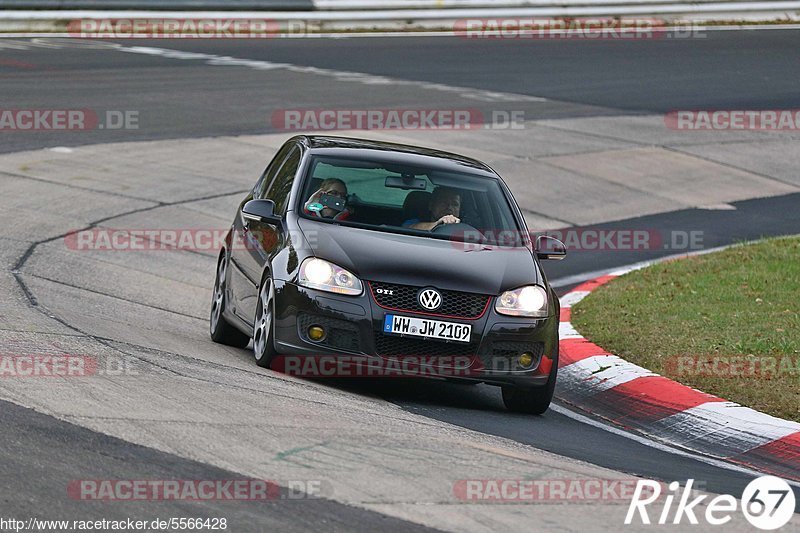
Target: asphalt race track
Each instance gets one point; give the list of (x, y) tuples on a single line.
[(738, 70), (593, 153)]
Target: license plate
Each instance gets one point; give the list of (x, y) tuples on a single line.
[(422, 327)]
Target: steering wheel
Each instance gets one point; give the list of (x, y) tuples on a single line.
[(455, 229)]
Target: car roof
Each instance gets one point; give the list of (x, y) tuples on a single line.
[(397, 153)]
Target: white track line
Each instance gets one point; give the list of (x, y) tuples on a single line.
[(657, 445), (339, 75), (372, 80)]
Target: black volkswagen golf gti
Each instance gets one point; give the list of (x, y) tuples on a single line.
[(380, 253)]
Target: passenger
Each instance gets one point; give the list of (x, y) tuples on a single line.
[(331, 187)]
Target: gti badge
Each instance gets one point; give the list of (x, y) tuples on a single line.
[(430, 299)]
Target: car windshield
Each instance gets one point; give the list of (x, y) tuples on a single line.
[(395, 198)]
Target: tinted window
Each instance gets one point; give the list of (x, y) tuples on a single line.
[(388, 197), (266, 179), (282, 184)]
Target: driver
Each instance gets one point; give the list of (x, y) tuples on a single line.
[(331, 187), (445, 206)]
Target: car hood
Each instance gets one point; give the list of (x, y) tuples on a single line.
[(410, 260)]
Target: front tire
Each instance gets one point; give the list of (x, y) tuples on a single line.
[(220, 329), (263, 336), (531, 400)]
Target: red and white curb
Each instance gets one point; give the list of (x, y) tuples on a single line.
[(627, 395)]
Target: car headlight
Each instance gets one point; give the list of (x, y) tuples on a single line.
[(530, 301), (325, 276)]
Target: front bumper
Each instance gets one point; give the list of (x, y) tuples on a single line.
[(353, 326)]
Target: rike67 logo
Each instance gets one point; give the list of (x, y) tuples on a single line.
[(767, 502)]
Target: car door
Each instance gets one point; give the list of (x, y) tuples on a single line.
[(260, 241), (241, 287)]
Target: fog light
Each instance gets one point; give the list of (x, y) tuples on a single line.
[(525, 360), (316, 333)]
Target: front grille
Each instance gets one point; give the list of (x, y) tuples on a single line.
[(340, 334), (391, 345), (454, 303)]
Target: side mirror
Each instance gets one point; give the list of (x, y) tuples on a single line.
[(550, 248), (261, 211)]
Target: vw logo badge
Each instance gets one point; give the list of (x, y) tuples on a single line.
[(430, 299)]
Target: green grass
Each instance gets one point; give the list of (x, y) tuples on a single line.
[(743, 301)]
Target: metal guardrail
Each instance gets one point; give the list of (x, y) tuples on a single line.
[(444, 5), (162, 5), (319, 5), (379, 8)]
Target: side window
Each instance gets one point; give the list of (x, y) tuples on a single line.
[(260, 190), (282, 185)]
